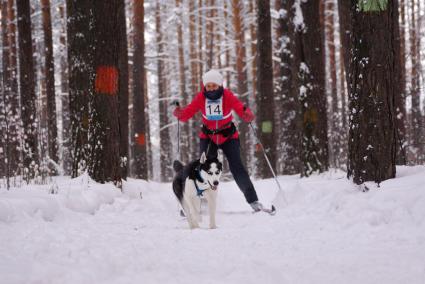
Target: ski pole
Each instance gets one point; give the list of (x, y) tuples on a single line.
[(176, 103), (178, 132), (265, 156)]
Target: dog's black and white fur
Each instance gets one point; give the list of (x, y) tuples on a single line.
[(196, 179)]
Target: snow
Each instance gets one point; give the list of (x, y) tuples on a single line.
[(327, 231)]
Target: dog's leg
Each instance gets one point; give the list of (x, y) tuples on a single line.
[(194, 211), (197, 205), (212, 206), (191, 215)]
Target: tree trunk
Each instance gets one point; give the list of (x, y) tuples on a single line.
[(241, 71), (310, 85), (289, 141), (201, 66), (123, 98), (226, 36), (104, 136), (264, 98), (253, 33), (345, 26), (64, 94), (209, 34), (372, 134), (81, 74), (399, 84), (185, 130), (27, 90), (140, 167), (10, 109), (164, 121), (417, 135), (336, 134), (195, 85), (49, 68)]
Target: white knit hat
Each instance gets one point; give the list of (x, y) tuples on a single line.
[(212, 76)]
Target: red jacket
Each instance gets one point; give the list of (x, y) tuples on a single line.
[(230, 102)]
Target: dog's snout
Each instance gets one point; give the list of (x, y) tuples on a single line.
[(215, 182)]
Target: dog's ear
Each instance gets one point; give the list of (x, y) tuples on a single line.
[(203, 158)]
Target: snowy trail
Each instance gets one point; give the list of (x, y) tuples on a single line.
[(328, 233)]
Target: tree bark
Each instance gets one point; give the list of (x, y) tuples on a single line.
[(209, 35), (336, 134), (123, 97), (27, 90), (10, 110), (164, 121), (64, 94), (49, 69), (140, 167), (399, 84), (241, 71), (264, 98), (372, 134), (310, 85), (417, 134), (289, 140), (185, 129), (81, 75), (253, 33), (104, 136)]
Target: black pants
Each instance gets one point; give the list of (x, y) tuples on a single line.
[(231, 149)]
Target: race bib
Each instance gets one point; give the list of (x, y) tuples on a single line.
[(214, 109)]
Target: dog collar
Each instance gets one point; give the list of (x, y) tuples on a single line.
[(198, 190)]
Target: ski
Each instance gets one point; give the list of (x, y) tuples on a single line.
[(271, 211)]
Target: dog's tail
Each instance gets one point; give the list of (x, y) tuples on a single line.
[(177, 166)]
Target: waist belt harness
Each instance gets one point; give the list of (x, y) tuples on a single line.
[(227, 130)]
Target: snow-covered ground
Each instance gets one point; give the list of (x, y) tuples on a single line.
[(328, 231)]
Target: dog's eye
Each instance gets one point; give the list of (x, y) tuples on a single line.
[(217, 172), (210, 173)]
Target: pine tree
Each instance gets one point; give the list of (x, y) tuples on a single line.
[(49, 69), (400, 81), (289, 134), (140, 167), (27, 91), (308, 61), (104, 165), (185, 130), (123, 94), (80, 63), (241, 70), (372, 134), (164, 134), (264, 97), (417, 131), (64, 94)]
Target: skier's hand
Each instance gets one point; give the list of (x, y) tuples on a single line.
[(177, 112), (248, 116)]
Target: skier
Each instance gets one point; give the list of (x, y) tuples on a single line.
[(218, 130)]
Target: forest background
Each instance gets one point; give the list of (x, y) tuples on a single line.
[(89, 85)]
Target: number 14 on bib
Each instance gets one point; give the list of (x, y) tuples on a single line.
[(214, 109)]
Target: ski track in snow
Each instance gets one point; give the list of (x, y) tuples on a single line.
[(328, 232)]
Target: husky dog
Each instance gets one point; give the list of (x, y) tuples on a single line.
[(196, 179)]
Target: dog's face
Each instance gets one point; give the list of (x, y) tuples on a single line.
[(211, 170)]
